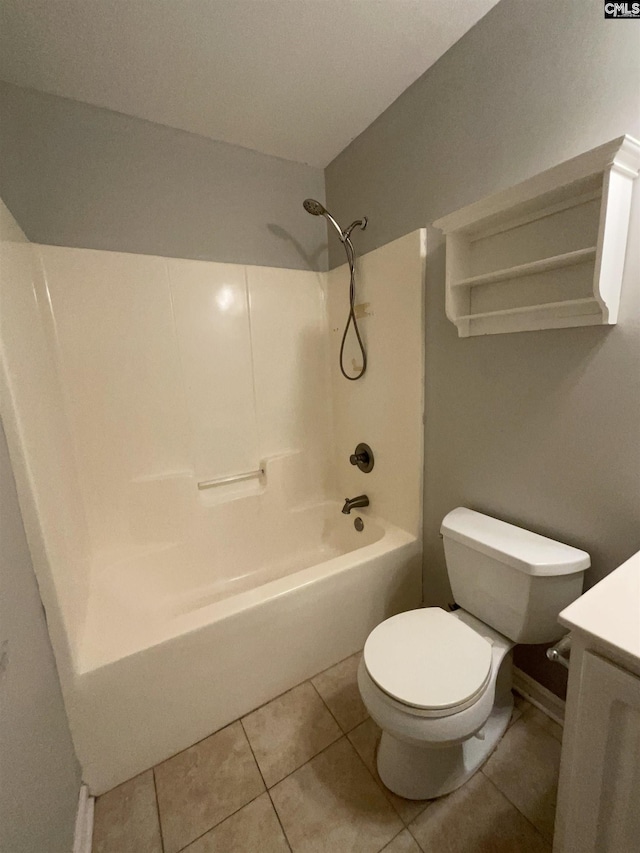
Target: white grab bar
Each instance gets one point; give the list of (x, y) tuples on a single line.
[(234, 478)]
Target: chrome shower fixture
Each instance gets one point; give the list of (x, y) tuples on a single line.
[(316, 209)]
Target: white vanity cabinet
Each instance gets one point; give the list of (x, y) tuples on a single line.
[(599, 794)]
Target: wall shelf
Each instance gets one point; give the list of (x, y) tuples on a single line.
[(528, 309), (556, 262), (546, 253)]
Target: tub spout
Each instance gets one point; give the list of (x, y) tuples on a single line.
[(354, 503)]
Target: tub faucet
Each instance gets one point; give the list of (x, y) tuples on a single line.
[(354, 503)]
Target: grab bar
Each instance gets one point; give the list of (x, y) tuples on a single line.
[(561, 652), (234, 478)]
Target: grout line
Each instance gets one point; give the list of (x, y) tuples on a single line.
[(284, 832), (322, 671), (155, 788), (269, 701), (267, 790), (333, 716), (418, 845), (530, 822), (219, 823), (380, 784), (353, 728), (313, 757), (244, 731), (383, 787), (397, 835), (173, 755), (209, 829), (293, 770)]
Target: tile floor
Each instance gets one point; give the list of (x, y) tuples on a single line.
[(299, 775)]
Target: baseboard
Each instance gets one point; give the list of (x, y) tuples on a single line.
[(534, 692), (84, 822)]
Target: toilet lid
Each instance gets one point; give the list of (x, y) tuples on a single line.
[(428, 658)]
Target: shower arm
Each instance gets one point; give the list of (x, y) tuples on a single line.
[(362, 223)]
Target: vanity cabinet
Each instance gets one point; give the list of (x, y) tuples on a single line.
[(599, 794)]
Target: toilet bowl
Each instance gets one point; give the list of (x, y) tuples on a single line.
[(438, 683)]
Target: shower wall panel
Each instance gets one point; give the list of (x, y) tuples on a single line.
[(290, 351), (214, 341), (35, 419), (385, 407), (176, 371), (118, 360)]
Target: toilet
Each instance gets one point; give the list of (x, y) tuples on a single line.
[(438, 683)]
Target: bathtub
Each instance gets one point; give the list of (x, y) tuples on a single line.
[(169, 655)]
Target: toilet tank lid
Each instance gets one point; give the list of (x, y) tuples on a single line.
[(529, 552)]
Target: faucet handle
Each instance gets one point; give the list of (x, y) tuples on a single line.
[(363, 458)]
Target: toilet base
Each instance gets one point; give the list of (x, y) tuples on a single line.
[(422, 773)]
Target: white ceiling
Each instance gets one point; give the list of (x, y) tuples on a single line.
[(298, 79)]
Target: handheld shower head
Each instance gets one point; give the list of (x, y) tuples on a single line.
[(313, 207), (316, 209)]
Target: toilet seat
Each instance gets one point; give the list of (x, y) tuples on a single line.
[(429, 660)]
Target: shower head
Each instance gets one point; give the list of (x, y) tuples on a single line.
[(313, 207), (316, 209)]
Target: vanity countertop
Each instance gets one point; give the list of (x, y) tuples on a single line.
[(609, 613)]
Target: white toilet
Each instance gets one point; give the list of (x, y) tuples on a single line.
[(439, 684)]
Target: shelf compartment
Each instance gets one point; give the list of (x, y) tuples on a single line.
[(546, 253), (568, 259), (567, 304)]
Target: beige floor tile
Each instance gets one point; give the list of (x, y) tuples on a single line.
[(550, 726), (332, 804), (289, 731), (476, 818), (365, 740), (403, 843), (126, 819), (525, 768), (203, 785), (338, 687), (254, 828)]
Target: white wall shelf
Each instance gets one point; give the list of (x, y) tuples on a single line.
[(546, 253)]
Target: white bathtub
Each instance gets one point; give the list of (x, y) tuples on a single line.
[(170, 656)]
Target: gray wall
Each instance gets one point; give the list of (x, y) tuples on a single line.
[(39, 774), (76, 175), (539, 428)]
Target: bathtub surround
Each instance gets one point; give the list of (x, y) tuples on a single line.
[(133, 378), (77, 175), (39, 773), (515, 424)]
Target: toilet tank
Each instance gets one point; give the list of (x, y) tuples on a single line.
[(512, 579)]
